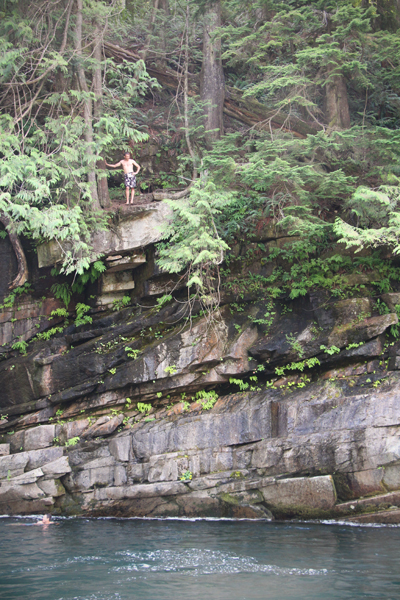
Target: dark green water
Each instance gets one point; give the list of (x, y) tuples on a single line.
[(81, 559)]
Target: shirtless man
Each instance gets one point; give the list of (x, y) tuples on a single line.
[(130, 177)]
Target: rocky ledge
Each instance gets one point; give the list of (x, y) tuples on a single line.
[(284, 412), (322, 442), (276, 454)]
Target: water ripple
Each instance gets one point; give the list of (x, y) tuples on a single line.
[(197, 562)]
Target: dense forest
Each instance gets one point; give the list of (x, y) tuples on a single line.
[(283, 114)]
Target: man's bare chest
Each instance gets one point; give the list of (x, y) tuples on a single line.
[(127, 166)]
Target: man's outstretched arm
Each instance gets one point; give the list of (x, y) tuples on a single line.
[(114, 166)]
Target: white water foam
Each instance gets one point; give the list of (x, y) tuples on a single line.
[(291, 522), (195, 562)]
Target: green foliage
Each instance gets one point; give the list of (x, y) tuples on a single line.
[(295, 345), (194, 245), (143, 408), (22, 346), (122, 303), (268, 318), (90, 275), (186, 476), (163, 301), (298, 366), (9, 300), (377, 214), (331, 351), (382, 307), (207, 399), (132, 353), (395, 329), (81, 317), (243, 385), (354, 345), (59, 312), (72, 442), (47, 335), (54, 130), (62, 291), (298, 172), (171, 370)]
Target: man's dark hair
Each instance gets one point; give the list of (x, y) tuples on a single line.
[(127, 153), (48, 515)]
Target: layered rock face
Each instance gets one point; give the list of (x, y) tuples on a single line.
[(140, 413)]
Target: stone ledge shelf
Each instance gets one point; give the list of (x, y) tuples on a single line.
[(124, 263), (137, 230), (114, 282)]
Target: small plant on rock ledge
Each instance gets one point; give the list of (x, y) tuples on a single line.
[(331, 351), (9, 301), (186, 476), (72, 442), (351, 346), (22, 346), (143, 408), (132, 353), (207, 399), (298, 366), (295, 345), (81, 317), (171, 370), (122, 303)]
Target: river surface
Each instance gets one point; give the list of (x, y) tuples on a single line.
[(111, 559)]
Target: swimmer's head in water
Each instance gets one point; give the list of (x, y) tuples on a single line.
[(46, 518)]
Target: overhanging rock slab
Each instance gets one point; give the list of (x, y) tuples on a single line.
[(141, 228)]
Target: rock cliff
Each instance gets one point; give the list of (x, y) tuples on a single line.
[(141, 413)]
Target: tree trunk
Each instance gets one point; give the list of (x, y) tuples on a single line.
[(164, 7), (23, 274), (102, 183), (212, 82), (337, 103), (160, 194), (145, 50), (87, 107)]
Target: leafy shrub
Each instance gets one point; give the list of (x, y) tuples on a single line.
[(72, 442), (62, 291), (207, 399), (22, 346), (81, 317)]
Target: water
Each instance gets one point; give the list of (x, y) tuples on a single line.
[(109, 559)]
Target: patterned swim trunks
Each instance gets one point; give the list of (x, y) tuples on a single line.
[(130, 180)]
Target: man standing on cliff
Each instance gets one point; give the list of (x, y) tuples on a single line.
[(127, 163)]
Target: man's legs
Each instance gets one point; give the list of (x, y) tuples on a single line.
[(127, 195), (132, 195)]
